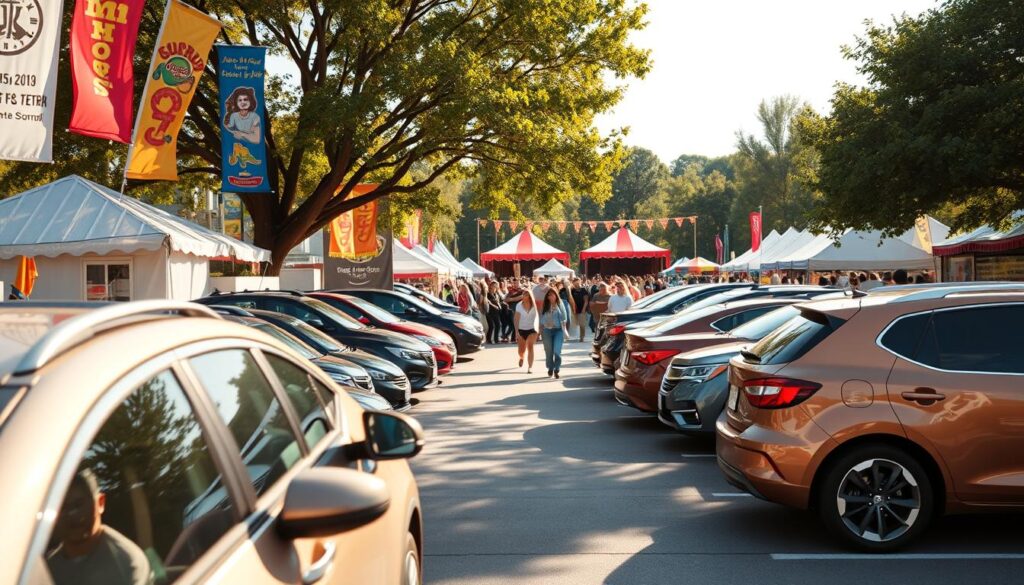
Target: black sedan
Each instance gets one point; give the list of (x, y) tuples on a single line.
[(465, 330), (412, 356), (439, 304)]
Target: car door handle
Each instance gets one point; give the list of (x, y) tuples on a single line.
[(923, 395), (319, 569)]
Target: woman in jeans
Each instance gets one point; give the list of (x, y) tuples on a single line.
[(526, 329), (552, 327), (493, 304)]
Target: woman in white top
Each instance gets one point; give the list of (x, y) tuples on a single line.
[(620, 301), (527, 326)]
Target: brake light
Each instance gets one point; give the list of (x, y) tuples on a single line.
[(778, 392), (649, 358), (616, 329)]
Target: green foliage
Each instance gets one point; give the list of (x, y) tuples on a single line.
[(638, 180), (939, 127)]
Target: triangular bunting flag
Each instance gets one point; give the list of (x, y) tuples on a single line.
[(663, 222), (497, 225), (593, 226), (544, 225), (693, 219), (513, 224), (528, 226), (649, 223), (577, 225), (679, 221), (608, 225), (561, 227), (634, 224)]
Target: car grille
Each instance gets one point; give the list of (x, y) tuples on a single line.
[(429, 357), (363, 382), (400, 382), (667, 385)]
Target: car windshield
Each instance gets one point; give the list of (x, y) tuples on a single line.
[(670, 299), (686, 317), (427, 297), (373, 310), (285, 338), (426, 308), (335, 315), (765, 324), (326, 342)]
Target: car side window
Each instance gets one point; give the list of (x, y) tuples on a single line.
[(315, 409), (248, 406), (295, 310), (147, 499), (347, 309), (976, 339), (904, 336)]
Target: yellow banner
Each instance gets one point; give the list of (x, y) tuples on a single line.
[(178, 61)]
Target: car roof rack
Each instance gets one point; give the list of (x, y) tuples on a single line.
[(937, 291), (291, 292), (231, 310), (77, 329)]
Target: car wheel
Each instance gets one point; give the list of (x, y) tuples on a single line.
[(411, 562), (876, 498)]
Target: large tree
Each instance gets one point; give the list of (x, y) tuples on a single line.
[(503, 90), (939, 125), (637, 180)]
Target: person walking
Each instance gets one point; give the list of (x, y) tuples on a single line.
[(465, 300), (580, 298), (598, 305), (527, 326), (621, 300), (493, 304), (505, 315), (552, 327)]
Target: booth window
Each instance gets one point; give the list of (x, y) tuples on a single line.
[(108, 281)]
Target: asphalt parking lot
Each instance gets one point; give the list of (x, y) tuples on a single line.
[(530, 480)]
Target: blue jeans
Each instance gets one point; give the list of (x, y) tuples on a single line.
[(553, 339)]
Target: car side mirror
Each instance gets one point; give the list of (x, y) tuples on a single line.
[(412, 311), (323, 501), (390, 435)]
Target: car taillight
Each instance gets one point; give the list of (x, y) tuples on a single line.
[(778, 392), (616, 329), (649, 358)]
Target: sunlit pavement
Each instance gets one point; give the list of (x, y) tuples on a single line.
[(531, 480)]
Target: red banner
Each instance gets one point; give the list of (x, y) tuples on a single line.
[(103, 34), (719, 249), (755, 231)]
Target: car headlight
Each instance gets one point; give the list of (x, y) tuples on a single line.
[(698, 373), (406, 354), (428, 340), (342, 378), (378, 375)]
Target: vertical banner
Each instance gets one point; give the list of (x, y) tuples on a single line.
[(411, 237), (103, 34), (358, 256), (243, 151), (923, 231), (179, 58), (233, 216), (719, 250), (29, 36), (755, 231)]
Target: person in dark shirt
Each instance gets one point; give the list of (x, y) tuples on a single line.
[(580, 298)]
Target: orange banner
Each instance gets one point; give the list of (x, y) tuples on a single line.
[(354, 233), (179, 58)]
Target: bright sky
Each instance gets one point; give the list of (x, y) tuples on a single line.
[(714, 61)]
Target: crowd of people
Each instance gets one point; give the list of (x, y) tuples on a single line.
[(555, 310)]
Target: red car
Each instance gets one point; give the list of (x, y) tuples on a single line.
[(649, 350), (368, 313)]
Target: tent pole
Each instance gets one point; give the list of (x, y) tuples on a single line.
[(478, 240)]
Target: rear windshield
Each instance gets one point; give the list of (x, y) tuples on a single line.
[(689, 316), (765, 324), (792, 340)]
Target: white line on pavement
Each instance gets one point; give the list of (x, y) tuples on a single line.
[(698, 455), (897, 557), (731, 495)]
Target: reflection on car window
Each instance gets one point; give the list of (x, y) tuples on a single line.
[(978, 339), (247, 405), (146, 500), (765, 324), (315, 411)]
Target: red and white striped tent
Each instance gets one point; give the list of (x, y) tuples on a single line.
[(524, 249), (625, 253)]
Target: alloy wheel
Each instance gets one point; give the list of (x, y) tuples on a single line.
[(879, 500), (412, 569)]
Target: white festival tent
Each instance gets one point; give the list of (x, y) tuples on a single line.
[(676, 267), (442, 255), (91, 242), (858, 250), (739, 263), (477, 270), (554, 268), (407, 264), (790, 240), (420, 252)]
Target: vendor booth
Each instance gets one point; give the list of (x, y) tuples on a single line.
[(442, 255), (93, 244), (521, 255), (477, 270), (677, 267), (408, 265), (983, 254), (554, 268), (624, 252)]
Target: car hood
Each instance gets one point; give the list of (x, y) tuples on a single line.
[(392, 339), (368, 400), (412, 328), (368, 361), (341, 365)]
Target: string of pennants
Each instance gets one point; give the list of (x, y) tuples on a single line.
[(609, 225)]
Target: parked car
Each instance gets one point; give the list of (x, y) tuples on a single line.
[(437, 303), (368, 313), (352, 377), (694, 387), (411, 355), (205, 452), (388, 379), (881, 412), (467, 332), (648, 351), (608, 338)]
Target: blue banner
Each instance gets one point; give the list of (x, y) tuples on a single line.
[(240, 72)]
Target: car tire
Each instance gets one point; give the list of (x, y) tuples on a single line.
[(876, 498), (411, 574)]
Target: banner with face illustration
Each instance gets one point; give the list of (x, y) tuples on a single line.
[(240, 72)]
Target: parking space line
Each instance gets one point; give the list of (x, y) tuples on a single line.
[(731, 495), (897, 557), (697, 455)]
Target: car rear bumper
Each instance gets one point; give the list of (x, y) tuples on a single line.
[(634, 392), (693, 407), (747, 465)]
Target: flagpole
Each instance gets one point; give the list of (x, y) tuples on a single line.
[(760, 248), (695, 237), (478, 240)]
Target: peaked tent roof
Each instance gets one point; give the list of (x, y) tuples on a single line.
[(524, 246), (862, 250), (677, 266), (699, 264), (442, 255), (76, 216), (785, 247), (625, 244), (422, 253), (939, 232), (554, 268), (406, 264), (739, 263), (984, 239), (476, 269)]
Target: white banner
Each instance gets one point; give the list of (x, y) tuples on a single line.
[(29, 37)]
